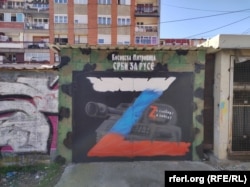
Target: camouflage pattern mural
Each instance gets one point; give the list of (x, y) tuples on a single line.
[(131, 104), (28, 112)]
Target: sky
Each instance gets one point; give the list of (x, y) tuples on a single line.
[(204, 18)]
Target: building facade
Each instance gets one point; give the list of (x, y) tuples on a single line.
[(230, 95), (28, 26), (24, 31)]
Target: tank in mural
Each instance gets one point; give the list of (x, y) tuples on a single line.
[(28, 112), (131, 104)]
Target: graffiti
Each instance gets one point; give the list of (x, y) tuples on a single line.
[(28, 107)]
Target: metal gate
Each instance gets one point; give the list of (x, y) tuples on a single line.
[(241, 107)]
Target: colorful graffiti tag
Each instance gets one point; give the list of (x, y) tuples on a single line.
[(28, 113)]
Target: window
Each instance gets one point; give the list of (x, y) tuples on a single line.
[(149, 40), (19, 17), (148, 8), (40, 6), (123, 39), (40, 23), (123, 43), (128, 21), (144, 8), (145, 40), (1, 17), (121, 2), (124, 2), (123, 21), (81, 2), (80, 39), (80, 19), (61, 18), (104, 39), (57, 58), (61, 1), (108, 21), (37, 57), (104, 2), (104, 20), (100, 41), (13, 17), (10, 4), (154, 40), (62, 41)]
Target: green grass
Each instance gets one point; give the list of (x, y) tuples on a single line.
[(53, 172)]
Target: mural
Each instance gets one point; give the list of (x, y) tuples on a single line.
[(28, 112), (130, 104), (133, 112)]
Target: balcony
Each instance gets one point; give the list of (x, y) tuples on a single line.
[(35, 45), (36, 26), (11, 45), (175, 42), (33, 8), (146, 40), (12, 5), (146, 28), (25, 7), (23, 45), (147, 11)]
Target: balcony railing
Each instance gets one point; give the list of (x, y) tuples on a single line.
[(41, 26), (35, 45), (146, 28), (23, 44), (18, 5), (147, 11), (11, 45), (25, 6), (146, 40)]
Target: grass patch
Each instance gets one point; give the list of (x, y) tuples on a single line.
[(52, 173)]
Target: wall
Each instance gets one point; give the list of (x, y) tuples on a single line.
[(28, 116), (105, 94), (221, 106)]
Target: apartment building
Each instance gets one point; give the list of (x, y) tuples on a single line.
[(24, 31), (28, 26)]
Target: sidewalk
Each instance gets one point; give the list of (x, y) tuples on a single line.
[(136, 174)]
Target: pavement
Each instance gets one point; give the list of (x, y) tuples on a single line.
[(138, 173)]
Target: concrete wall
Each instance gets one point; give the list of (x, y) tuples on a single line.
[(28, 115), (223, 98), (221, 106)]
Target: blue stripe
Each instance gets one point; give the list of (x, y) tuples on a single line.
[(133, 114)]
